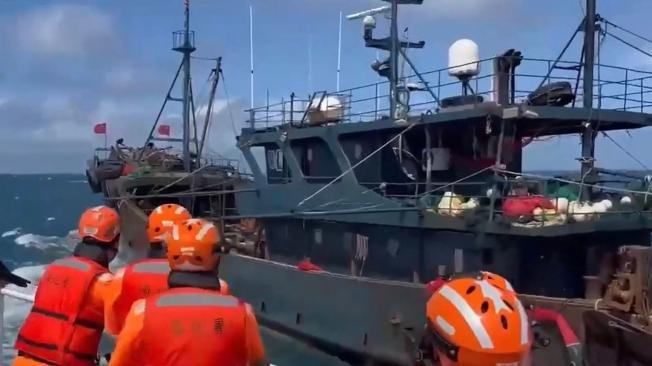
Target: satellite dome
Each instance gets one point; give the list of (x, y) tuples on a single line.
[(463, 59)]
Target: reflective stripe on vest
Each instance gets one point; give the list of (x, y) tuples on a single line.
[(170, 300), (71, 263), (148, 267)]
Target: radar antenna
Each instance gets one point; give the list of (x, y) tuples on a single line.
[(389, 68)]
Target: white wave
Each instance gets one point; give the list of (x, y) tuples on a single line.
[(9, 233), (51, 218), (46, 242), (84, 181), (16, 197)]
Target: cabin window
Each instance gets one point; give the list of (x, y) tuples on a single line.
[(392, 247), (318, 237), (487, 256), (259, 155), (317, 162), (278, 170)]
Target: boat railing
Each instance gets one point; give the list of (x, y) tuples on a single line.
[(459, 197), (5, 292), (615, 88)]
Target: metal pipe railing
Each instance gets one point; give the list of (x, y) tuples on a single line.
[(15, 295)]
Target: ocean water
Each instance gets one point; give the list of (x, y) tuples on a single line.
[(37, 220)]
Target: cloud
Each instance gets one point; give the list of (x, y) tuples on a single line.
[(459, 9), (70, 31)]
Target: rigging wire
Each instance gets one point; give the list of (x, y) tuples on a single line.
[(629, 44), (228, 104), (625, 151), (629, 32)]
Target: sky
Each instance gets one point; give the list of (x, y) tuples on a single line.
[(66, 65)]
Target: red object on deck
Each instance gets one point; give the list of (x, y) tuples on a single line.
[(517, 206), (551, 316), (100, 128), (128, 169), (307, 266), (164, 130), (434, 285)]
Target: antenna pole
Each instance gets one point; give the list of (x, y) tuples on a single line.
[(339, 54), (251, 53), (393, 59), (310, 62), (588, 136), (187, 50)]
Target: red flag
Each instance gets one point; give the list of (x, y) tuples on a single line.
[(164, 130), (100, 128)]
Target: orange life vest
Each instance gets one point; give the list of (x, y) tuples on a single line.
[(141, 279), (62, 329), (193, 327)]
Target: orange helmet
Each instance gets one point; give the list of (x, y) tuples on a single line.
[(100, 223), (475, 323), (162, 219), (497, 281), (193, 246)]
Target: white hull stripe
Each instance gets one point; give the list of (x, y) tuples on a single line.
[(470, 317)]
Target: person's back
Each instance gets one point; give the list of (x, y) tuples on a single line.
[(184, 315), (66, 322), (200, 325), (145, 277)]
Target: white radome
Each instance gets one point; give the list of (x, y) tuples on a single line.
[(626, 200), (463, 59), (369, 21)]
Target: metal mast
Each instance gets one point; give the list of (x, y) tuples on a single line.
[(588, 136), (187, 49), (393, 58)]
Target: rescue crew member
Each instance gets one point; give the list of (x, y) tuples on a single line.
[(191, 323), (65, 324), (472, 322), (145, 277)]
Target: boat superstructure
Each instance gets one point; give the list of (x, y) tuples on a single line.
[(389, 190), (390, 185)]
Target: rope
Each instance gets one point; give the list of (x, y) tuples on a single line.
[(356, 165), (536, 176), (629, 32), (625, 151)]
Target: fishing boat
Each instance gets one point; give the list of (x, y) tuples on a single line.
[(381, 193)]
